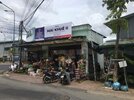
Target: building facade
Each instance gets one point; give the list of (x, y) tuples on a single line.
[(83, 41), (5, 50), (126, 44), (129, 33)]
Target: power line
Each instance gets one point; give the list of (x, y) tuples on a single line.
[(3, 18), (32, 14), (6, 20), (33, 5), (9, 32), (9, 29), (34, 20), (24, 11), (25, 29), (6, 23)]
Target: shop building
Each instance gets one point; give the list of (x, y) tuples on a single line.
[(81, 40)]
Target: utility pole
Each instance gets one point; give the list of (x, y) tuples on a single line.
[(20, 43), (92, 45)]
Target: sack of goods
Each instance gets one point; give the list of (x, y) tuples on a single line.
[(124, 88), (116, 86)]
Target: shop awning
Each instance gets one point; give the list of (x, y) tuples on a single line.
[(76, 39)]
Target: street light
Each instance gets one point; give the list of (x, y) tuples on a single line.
[(11, 10)]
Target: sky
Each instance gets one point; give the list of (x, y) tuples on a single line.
[(53, 12)]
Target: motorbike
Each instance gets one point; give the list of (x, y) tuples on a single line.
[(49, 77), (65, 78), (62, 76)]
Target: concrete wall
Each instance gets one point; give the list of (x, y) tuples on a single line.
[(126, 34), (96, 37), (81, 30), (85, 30), (1, 50), (4, 52), (101, 60), (91, 35), (84, 51)]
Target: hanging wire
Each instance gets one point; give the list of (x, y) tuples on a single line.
[(10, 29), (32, 14), (34, 20), (32, 5), (25, 29), (24, 11)]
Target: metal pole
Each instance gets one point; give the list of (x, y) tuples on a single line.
[(4, 46), (14, 30), (20, 43)]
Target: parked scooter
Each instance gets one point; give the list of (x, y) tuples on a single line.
[(49, 76), (65, 78)]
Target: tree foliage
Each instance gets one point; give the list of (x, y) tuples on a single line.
[(117, 7), (114, 23)]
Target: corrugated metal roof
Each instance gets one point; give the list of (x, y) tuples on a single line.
[(121, 42), (56, 41)]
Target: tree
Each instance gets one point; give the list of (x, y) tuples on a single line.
[(116, 7), (116, 23)]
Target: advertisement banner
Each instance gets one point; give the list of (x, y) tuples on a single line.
[(58, 31), (30, 35), (39, 33)]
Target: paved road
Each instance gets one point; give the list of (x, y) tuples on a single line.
[(16, 90), (4, 67)]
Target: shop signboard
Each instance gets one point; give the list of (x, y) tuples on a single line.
[(30, 35), (58, 31), (39, 33)]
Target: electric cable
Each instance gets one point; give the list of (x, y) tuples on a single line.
[(32, 14), (34, 20), (24, 11), (32, 5), (25, 29)]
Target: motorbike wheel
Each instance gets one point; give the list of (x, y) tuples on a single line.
[(63, 81), (46, 80)]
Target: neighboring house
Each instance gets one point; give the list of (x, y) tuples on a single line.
[(126, 43), (128, 34), (5, 48), (6, 51)]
